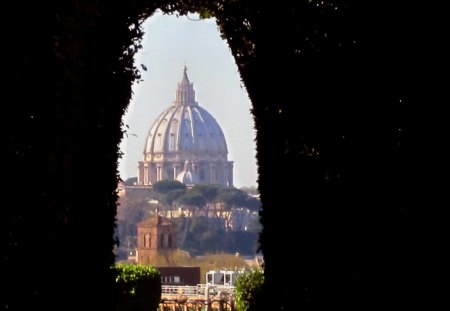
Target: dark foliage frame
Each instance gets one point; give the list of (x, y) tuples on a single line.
[(350, 122)]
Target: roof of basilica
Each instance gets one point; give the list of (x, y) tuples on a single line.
[(185, 127)]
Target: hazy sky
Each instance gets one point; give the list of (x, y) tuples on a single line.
[(169, 44)]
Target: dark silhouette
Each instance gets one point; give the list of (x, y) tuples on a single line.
[(347, 103)]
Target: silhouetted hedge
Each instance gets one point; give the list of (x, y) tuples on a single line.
[(249, 290), (137, 287)]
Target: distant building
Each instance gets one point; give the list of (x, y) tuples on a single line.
[(186, 144), (156, 235), (180, 275)]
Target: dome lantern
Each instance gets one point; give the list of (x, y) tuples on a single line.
[(185, 94)]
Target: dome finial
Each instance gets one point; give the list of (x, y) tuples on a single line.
[(185, 76)]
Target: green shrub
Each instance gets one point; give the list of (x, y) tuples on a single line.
[(249, 287), (138, 288)]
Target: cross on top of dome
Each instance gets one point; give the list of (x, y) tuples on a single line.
[(185, 76)]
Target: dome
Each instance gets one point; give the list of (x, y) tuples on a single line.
[(185, 127), (186, 132)]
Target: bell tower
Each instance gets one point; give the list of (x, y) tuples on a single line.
[(156, 235)]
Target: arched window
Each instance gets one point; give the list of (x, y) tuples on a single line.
[(147, 240)]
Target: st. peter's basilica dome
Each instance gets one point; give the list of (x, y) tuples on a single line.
[(185, 143)]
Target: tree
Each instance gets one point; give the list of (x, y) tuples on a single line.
[(208, 191), (233, 197), (249, 290), (193, 201), (131, 181), (201, 238), (172, 196), (130, 212), (165, 186), (252, 203), (137, 287), (252, 190)]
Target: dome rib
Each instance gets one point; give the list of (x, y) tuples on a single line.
[(168, 132), (196, 125)]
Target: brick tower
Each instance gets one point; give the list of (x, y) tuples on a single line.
[(156, 235)]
